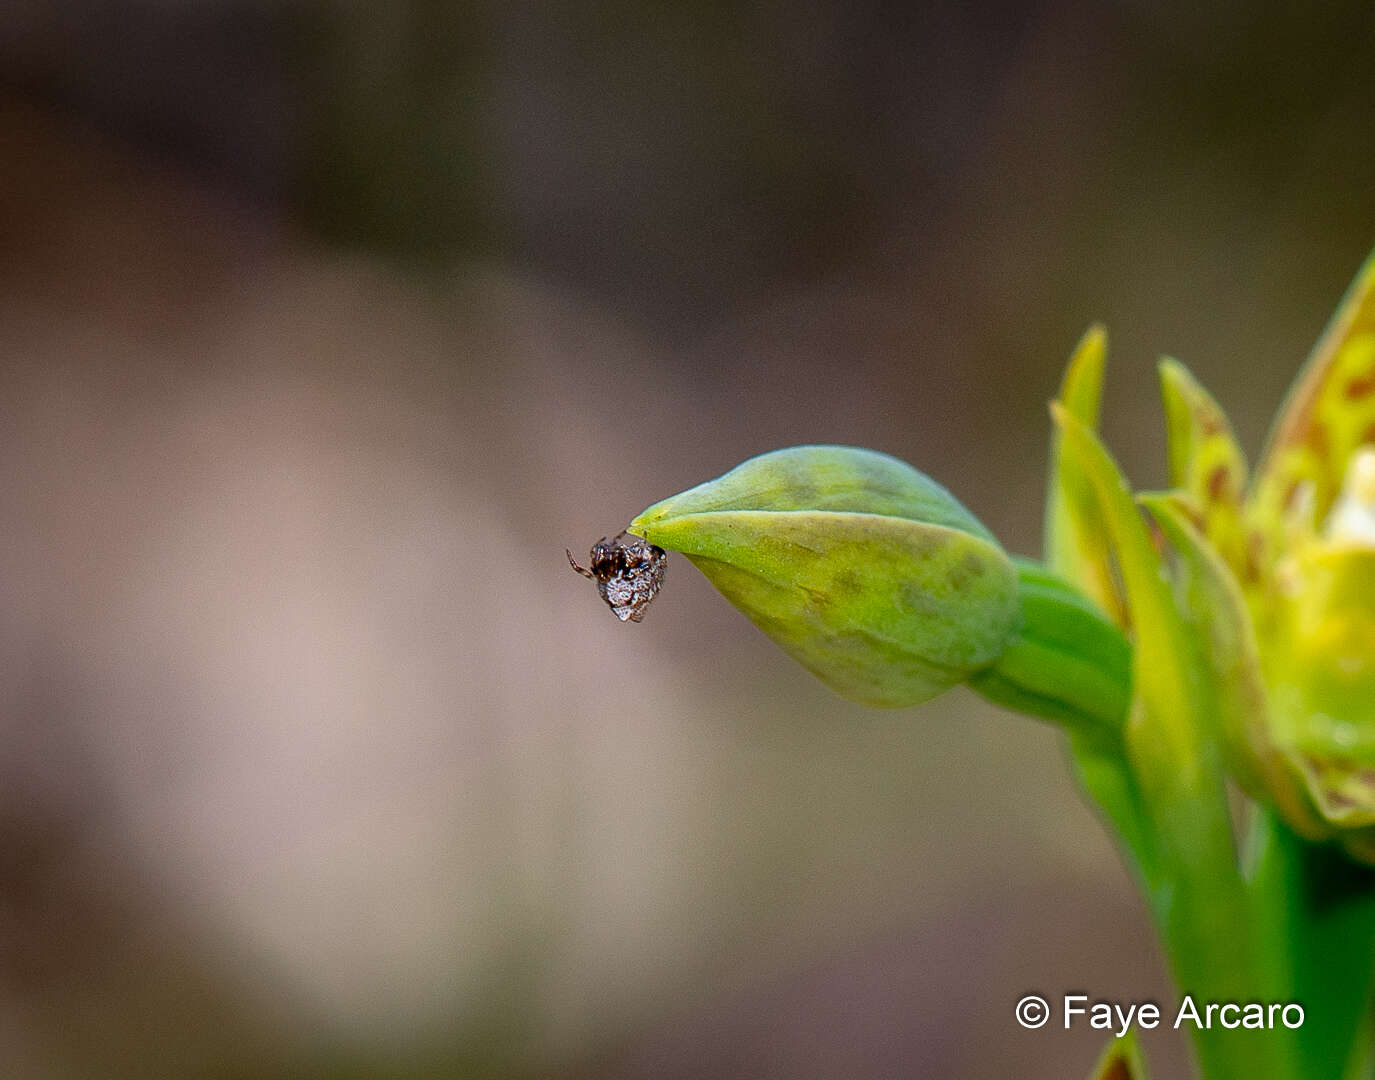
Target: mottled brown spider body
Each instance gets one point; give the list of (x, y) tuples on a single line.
[(629, 573)]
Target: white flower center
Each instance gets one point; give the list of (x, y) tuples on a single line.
[(1352, 519)]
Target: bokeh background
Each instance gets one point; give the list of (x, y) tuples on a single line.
[(325, 326)]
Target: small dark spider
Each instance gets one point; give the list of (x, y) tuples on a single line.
[(629, 573)]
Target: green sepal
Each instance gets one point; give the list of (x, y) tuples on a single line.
[(1074, 540), (1162, 730), (1231, 658)]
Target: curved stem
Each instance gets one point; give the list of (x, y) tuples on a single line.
[(1227, 936), (1066, 663)]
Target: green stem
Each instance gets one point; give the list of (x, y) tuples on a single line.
[(1318, 911), (1361, 1064), (1070, 665), (1066, 663), (1217, 956)]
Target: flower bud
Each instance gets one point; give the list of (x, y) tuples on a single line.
[(864, 570)]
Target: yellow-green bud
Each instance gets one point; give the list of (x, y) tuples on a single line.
[(867, 572)]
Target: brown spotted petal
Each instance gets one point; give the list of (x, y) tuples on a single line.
[(1329, 414), (1207, 467)]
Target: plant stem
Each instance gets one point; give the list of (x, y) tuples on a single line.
[(1069, 665), (1066, 662), (1317, 908)]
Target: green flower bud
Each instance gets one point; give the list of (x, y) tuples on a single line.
[(867, 572)]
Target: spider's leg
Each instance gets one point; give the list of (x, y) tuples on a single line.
[(580, 569)]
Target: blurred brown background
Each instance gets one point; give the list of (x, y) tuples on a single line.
[(324, 327)]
